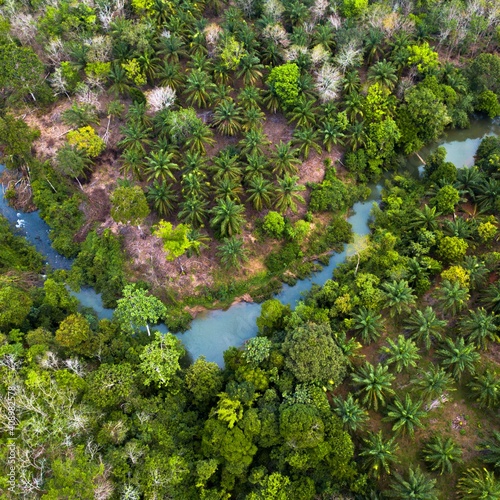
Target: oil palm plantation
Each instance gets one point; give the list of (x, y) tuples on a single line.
[(307, 138), (434, 382), (304, 113), (226, 166), (227, 218), (416, 486), (424, 326), (490, 297), (374, 384), (254, 142), (250, 97), (201, 136), (383, 73), (379, 455), (228, 189), (287, 194), (425, 218), (458, 357), (250, 69), (284, 159), (260, 192), (368, 324), (256, 165), (441, 453), (162, 197), (490, 450), (478, 484), (136, 137), (406, 415), (331, 134), (193, 211), (160, 167), (252, 118), (452, 297), (170, 74), (480, 327), (486, 388), (227, 117), (199, 86), (231, 252), (399, 297), (403, 353)]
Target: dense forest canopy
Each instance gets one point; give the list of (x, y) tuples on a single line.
[(188, 152)]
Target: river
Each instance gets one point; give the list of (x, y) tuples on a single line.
[(212, 332)]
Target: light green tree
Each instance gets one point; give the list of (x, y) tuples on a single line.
[(176, 240), (138, 308), (160, 359)]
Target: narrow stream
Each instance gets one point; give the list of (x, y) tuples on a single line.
[(212, 332)]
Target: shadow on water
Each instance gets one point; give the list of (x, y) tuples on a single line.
[(212, 332)]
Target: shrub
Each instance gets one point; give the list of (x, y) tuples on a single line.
[(284, 82), (86, 140), (274, 224)]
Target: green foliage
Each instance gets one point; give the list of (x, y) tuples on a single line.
[(417, 486), (16, 140), (283, 82), (379, 455), (232, 253), (375, 383), (477, 484), (129, 205), (100, 264), (15, 305), (406, 415), (452, 249), (487, 101), (86, 140), (441, 453), (203, 380), (331, 194), (312, 355), (137, 309), (175, 241), (272, 317), (353, 8), (160, 359), (446, 199), (423, 57), (274, 224)]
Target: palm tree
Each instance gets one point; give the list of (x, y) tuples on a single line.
[(252, 118), (304, 113), (250, 97), (193, 210), (478, 484), (440, 453), (229, 189), (260, 192), (201, 136), (284, 158), (136, 137), (399, 297), (257, 165), (226, 166), (227, 218), (478, 272), (374, 45), (198, 88), (324, 35), (221, 72), (231, 252), (434, 382), (357, 135), (417, 487), (250, 69), (461, 228), (406, 415), (458, 357), (136, 113), (423, 325), (480, 327), (379, 455), (488, 194), (120, 84), (287, 194), (332, 135), (200, 62), (403, 353), (306, 138), (349, 347), (351, 82), (490, 450), (354, 106), (375, 383), (170, 74), (491, 297), (383, 73), (162, 197), (80, 115), (487, 388), (159, 166), (467, 181), (194, 184), (133, 162), (171, 48), (452, 297), (426, 218), (194, 162), (227, 117), (368, 324), (221, 93), (254, 142), (149, 63)]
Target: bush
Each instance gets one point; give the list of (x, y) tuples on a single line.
[(331, 194), (284, 83), (274, 224), (86, 140), (280, 260)]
